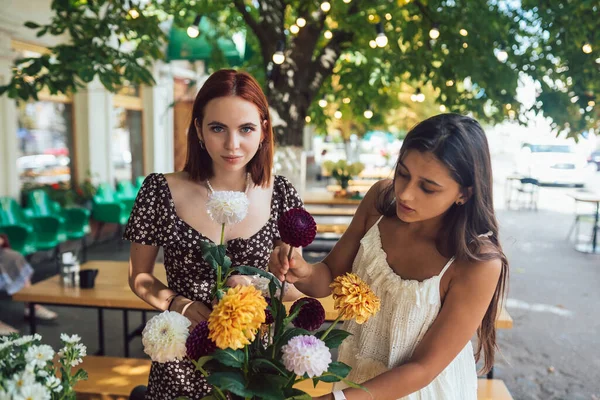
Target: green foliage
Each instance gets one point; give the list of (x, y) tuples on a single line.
[(461, 67), (342, 171)]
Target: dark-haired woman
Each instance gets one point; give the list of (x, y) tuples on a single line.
[(427, 244), (230, 147)]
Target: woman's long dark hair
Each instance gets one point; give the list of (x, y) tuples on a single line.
[(460, 144)]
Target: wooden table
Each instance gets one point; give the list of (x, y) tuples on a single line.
[(362, 189), (321, 211), (112, 291), (327, 199), (593, 198)]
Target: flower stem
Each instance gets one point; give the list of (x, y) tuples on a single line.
[(331, 327), (222, 233)]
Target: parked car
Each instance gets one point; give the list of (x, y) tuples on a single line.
[(553, 162), (594, 158)]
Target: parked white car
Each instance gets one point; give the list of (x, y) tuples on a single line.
[(553, 162)]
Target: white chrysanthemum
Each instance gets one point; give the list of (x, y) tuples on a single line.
[(305, 354), (227, 207), (19, 381), (39, 355), (164, 336), (26, 339), (37, 391), (70, 339), (53, 383)]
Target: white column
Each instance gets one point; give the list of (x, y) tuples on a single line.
[(157, 101), (9, 176), (94, 122)]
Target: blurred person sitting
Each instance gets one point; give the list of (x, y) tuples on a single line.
[(15, 274)]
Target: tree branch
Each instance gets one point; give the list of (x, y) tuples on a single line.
[(250, 21)]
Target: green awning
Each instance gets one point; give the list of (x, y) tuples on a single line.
[(182, 47)]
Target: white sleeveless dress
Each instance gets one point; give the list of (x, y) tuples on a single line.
[(388, 339)]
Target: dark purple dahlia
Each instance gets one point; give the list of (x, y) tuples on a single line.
[(198, 344), (268, 314), (311, 315), (297, 227)]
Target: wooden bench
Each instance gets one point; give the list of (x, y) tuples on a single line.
[(113, 378)]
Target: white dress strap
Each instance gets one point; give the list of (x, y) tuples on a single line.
[(448, 264)]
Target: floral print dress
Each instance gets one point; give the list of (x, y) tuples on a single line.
[(154, 221)]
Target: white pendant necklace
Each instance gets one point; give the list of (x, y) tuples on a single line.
[(245, 191)]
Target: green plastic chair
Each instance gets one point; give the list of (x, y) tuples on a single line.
[(127, 192), (138, 182), (22, 238), (74, 221), (12, 213), (108, 208), (48, 236)]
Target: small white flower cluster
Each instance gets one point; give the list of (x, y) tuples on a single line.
[(227, 207), (32, 374), (262, 284), (164, 336)]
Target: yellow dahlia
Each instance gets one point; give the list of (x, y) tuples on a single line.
[(236, 318), (353, 298)]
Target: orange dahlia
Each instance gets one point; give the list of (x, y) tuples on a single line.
[(234, 321), (353, 298)]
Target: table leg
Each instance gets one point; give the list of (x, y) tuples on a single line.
[(126, 332), (32, 319), (101, 348), (595, 231)]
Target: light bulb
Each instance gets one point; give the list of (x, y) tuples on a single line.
[(307, 118), (450, 82), (294, 29), (502, 55), (325, 6), (278, 57), (368, 114), (323, 103), (193, 31), (591, 103), (328, 34), (443, 108), (372, 44), (337, 114), (301, 22), (420, 97), (463, 32), (346, 100), (134, 13), (586, 48), (347, 1), (381, 40), (434, 33)]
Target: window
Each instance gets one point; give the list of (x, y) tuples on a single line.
[(44, 133), (127, 149)]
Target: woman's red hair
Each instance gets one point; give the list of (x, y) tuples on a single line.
[(228, 82)]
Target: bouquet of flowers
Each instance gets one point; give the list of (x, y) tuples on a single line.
[(251, 347), (342, 172), (27, 370)]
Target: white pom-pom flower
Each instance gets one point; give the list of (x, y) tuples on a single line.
[(227, 207), (305, 354), (164, 336)]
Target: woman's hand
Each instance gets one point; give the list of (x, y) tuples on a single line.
[(195, 311), (293, 270), (239, 280)]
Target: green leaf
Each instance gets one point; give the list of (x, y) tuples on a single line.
[(339, 368), (31, 25), (232, 381), (229, 357), (334, 338), (80, 375), (296, 394), (260, 363), (295, 313), (268, 386), (201, 362)]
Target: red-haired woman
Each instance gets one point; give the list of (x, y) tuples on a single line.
[(15, 274), (230, 147)]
